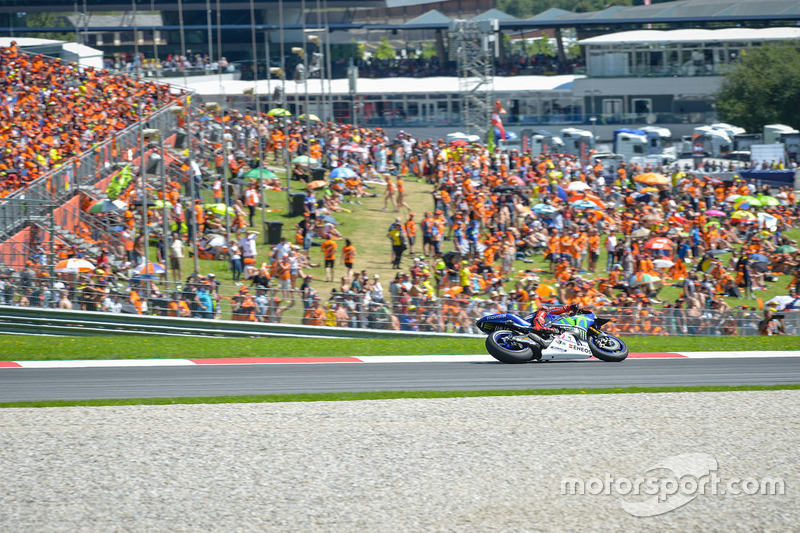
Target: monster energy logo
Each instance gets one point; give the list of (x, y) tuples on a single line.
[(578, 325)]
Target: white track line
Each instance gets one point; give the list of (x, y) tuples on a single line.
[(477, 358)]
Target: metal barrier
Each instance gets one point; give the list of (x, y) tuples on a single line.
[(37, 321)]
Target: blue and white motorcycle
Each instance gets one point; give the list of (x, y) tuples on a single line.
[(512, 339)]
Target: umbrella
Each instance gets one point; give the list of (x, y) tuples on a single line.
[(652, 178), (150, 268), (715, 213), (316, 184), (732, 197), (659, 243), (663, 263), (343, 172), (310, 116), (647, 190), (645, 278), (713, 224), (108, 205), (578, 186), (257, 173), (74, 265), (643, 198), (742, 216), (641, 232), (216, 241), (768, 200), (543, 208), (750, 200), (279, 112), (780, 302), (220, 209), (545, 291), (459, 142), (584, 204), (304, 160), (161, 204), (786, 249), (759, 258)]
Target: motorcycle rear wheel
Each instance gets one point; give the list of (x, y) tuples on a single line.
[(506, 352), (608, 348)]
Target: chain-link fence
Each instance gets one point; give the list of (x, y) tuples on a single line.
[(402, 311)]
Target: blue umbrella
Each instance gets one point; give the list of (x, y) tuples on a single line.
[(205, 119), (759, 258), (343, 172), (561, 193), (543, 208), (584, 204)]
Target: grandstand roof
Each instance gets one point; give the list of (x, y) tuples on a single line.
[(210, 85), (493, 14), (693, 36), (432, 17)]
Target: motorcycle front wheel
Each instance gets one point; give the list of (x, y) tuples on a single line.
[(608, 348), (500, 347)]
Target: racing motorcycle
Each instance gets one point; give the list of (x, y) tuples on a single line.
[(512, 339)]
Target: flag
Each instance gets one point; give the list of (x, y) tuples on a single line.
[(497, 123), (498, 107)]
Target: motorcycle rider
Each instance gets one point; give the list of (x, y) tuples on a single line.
[(537, 319)]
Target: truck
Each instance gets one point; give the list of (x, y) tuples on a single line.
[(716, 141), (630, 143), (743, 141), (792, 143), (541, 142), (573, 139), (658, 139), (773, 132)]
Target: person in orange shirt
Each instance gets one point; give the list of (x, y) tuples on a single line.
[(329, 250), (314, 315), (411, 232), (389, 195), (348, 257), (401, 193), (593, 247)]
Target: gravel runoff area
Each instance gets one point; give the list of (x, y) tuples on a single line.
[(462, 464)]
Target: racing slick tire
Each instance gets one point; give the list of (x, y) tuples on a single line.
[(507, 352), (608, 348)]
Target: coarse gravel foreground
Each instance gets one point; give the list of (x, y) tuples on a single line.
[(458, 464)]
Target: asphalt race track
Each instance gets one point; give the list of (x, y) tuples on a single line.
[(25, 384)]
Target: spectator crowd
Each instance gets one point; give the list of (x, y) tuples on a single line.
[(502, 230)]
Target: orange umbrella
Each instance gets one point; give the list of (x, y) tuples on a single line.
[(652, 178), (545, 291), (648, 189), (74, 265), (589, 197)]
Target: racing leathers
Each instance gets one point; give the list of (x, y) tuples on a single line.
[(537, 319)]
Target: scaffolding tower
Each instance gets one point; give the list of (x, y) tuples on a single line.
[(474, 43)]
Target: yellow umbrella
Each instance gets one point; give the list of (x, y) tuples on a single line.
[(742, 215), (652, 178)]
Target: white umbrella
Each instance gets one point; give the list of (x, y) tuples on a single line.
[(780, 302), (733, 197), (578, 186), (767, 221), (662, 263), (74, 265)]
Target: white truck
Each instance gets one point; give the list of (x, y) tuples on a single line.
[(658, 139), (630, 143), (716, 141), (574, 138), (541, 142), (773, 132)]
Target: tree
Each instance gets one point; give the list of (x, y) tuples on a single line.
[(384, 50), (763, 88), (428, 51), (48, 20)]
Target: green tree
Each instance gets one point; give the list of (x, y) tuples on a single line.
[(48, 20), (429, 51), (385, 50), (763, 88)]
